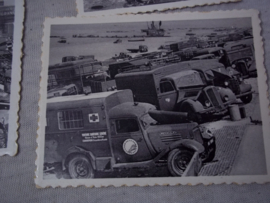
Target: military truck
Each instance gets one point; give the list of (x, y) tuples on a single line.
[(242, 57), (216, 74), (108, 132), (176, 87)]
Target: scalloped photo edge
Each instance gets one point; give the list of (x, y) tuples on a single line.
[(82, 11), (263, 102), (11, 122)]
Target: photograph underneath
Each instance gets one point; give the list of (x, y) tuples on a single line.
[(11, 28), (96, 5), (7, 11), (93, 7)]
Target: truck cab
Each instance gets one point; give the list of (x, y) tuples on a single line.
[(171, 89), (216, 74), (186, 91), (242, 56), (108, 132)]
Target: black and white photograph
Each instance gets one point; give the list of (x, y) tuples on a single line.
[(153, 100), (10, 52), (107, 7)]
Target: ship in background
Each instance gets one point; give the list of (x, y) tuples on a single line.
[(153, 31)]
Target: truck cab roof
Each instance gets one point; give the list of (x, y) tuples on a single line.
[(80, 97), (108, 99), (185, 78), (130, 109), (172, 68)]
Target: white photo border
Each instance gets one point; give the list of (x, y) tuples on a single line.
[(17, 54), (117, 182), (148, 8)]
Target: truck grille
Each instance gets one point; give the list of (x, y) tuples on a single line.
[(234, 86), (215, 98)]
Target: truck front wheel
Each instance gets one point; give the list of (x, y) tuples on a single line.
[(79, 167), (246, 99), (178, 161)]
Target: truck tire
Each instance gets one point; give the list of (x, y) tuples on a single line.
[(79, 167), (246, 99), (178, 161)]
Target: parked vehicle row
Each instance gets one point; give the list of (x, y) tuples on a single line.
[(154, 114)]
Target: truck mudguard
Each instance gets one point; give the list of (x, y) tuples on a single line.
[(189, 144), (197, 106), (226, 92), (78, 150)]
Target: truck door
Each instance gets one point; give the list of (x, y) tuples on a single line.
[(128, 142), (168, 96)]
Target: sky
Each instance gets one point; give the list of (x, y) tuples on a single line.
[(101, 28)]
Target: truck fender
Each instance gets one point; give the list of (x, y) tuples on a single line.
[(226, 92), (79, 150), (189, 144), (196, 105)]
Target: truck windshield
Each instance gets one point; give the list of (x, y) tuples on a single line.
[(147, 120)]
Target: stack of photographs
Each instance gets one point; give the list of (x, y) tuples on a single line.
[(152, 99)]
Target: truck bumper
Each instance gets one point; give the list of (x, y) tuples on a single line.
[(244, 94)]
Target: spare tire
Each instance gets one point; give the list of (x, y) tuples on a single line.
[(79, 167)]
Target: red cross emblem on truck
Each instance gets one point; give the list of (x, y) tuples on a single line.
[(93, 118)]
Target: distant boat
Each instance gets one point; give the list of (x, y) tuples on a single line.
[(142, 48), (97, 7), (190, 34), (133, 50), (153, 31), (117, 41), (136, 40), (62, 40)]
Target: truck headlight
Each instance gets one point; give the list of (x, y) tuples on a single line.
[(207, 103), (206, 132), (226, 83)]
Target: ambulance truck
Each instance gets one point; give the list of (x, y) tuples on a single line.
[(108, 132)]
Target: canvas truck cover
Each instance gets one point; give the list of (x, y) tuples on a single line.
[(239, 44), (109, 99), (82, 120), (91, 105), (145, 84), (240, 53), (187, 78)]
